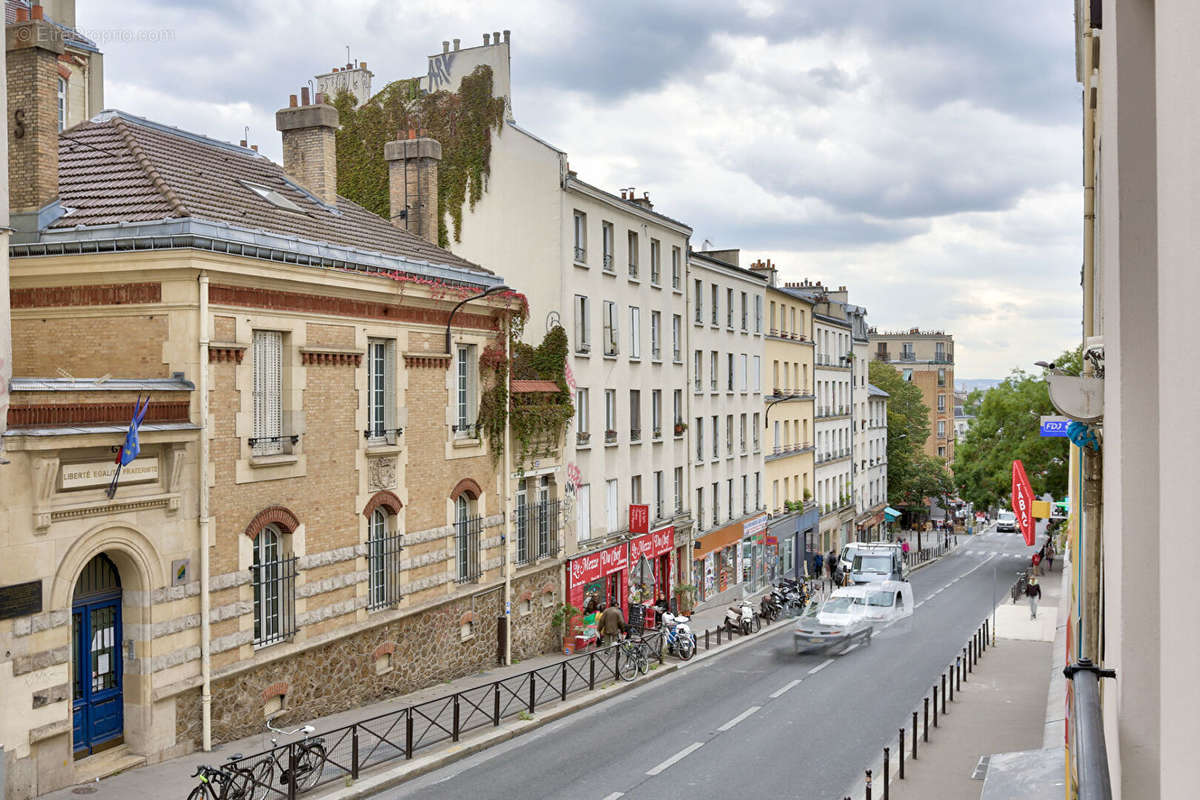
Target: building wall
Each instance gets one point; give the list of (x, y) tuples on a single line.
[(788, 365), (834, 482)]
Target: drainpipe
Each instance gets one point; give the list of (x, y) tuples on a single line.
[(205, 598), (508, 468)]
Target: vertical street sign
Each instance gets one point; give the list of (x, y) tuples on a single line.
[(639, 518), (1022, 501)]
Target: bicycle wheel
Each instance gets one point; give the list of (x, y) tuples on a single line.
[(757, 623), (311, 765), (627, 667), (685, 647), (262, 775), (197, 793), (240, 785), (643, 661)]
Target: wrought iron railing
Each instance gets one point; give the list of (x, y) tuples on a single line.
[(467, 535), (383, 570), (274, 585)]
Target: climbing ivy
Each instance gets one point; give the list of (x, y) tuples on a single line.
[(461, 121), (538, 419)]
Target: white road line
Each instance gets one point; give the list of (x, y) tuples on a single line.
[(682, 754), (779, 692), (918, 605), (820, 666), (739, 718), (851, 647), (614, 796)]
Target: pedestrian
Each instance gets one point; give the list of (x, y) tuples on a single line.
[(1033, 591), (904, 546), (1049, 557), (831, 563), (1036, 560), (818, 563), (611, 625)]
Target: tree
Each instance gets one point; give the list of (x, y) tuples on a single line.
[(912, 474), (1007, 427)]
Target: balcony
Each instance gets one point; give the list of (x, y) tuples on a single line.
[(784, 450)]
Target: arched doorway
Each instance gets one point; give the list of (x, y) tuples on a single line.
[(96, 658)]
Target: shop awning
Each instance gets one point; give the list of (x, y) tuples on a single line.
[(891, 514)]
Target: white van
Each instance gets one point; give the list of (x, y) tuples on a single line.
[(1006, 521)]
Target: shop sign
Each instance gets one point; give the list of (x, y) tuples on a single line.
[(772, 540), (653, 544), (100, 473), (593, 566), (639, 518), (753, 527)]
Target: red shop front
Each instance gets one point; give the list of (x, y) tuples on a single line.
[(656, 547), (599, 578)]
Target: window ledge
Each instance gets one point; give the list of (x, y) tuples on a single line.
[(465, 443), (654, 285), (613, 357), (273, 461), (583, 353), (382, 449), (582, 264)]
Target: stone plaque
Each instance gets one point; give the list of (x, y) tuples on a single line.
[(381, 473), (20, 599), (100, 473)]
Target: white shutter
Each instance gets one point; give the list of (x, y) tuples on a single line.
[(611, 506), (268, 392), (583, 514)]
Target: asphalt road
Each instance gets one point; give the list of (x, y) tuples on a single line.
[(758, 721)]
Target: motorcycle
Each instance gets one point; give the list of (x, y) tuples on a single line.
[(742, 618), (770, 607), (678, 635)]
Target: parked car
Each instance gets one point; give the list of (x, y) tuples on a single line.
[(1006, 521), (878, 562)]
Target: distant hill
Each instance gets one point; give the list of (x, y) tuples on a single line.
[(975, 383)]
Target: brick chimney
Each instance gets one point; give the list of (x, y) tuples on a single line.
[(33, 46), (310, 144), (412, 181)]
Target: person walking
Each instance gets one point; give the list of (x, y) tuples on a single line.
[(831, 563), (1049, 556), (1033, 590), (818, 564), (611, 625)]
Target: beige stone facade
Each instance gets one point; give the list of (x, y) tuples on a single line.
[(926, 358)]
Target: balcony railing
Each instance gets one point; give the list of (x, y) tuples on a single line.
[(537, 531), (635, 434), (580, 254), (608, 263), (633, 270), (1089, 756)]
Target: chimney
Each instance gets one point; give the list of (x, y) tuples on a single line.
[(457, 42), (507, 37), (310, 145), (487, 39), (33, 47), (643, 201), (496, 37), (412, 184), (445, 46)]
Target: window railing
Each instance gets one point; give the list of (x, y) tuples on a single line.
[(383, 570), (656, 433), (465, 430), (467, 535), (633, 269), (537, 531), (635, 434), (274, 600), (583, 438), (608, 263), (655, 275), (580, 254), (610, 437)]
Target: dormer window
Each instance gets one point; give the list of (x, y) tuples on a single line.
[(272, 196)]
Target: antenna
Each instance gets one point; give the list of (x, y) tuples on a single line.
[(347, 54), (246, 132), (706, 244)]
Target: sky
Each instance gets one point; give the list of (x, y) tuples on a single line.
[(924, 153)]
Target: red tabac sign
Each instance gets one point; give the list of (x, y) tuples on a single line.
[(652, 545), (1022, 502), (594, 566), (639, 518)]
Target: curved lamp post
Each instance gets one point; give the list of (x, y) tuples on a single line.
[(449, 320)]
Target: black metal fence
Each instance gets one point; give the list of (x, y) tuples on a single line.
[(274, 585), (467, 535), (383, 567), (402, 733)]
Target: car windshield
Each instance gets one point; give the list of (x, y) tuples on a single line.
[(880, 563), (880, 599), (840, 605), (1007, 515)]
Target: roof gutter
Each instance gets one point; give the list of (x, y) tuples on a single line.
[(220, 237)]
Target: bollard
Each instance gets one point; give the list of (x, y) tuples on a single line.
[(706, 638), (914, 753), (953, 672), (718, 636), (935, 722), (901, 752), (944, 709), (887, 771), (354, 753), (926, 734), (868, 784), (964, 666)]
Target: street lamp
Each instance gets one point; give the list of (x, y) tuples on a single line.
[(450, 319)]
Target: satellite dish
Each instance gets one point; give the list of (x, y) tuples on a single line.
[(1079, 397)]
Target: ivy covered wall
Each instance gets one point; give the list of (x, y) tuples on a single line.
[(462, 122)]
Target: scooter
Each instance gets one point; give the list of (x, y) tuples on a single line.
[(741, 617), (769, 608), (679, 637)]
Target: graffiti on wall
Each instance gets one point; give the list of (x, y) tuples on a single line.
[(439, 71)]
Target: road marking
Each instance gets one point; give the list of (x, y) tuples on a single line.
[(820, 666), (614, 796), (739, 718), (851, 647), (918, 605), (786, 686), (680, 756)]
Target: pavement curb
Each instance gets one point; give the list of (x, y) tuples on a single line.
[(393, 776)]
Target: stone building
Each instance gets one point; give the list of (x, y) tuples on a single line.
[(313, 520), (925, 358), (79, 83)]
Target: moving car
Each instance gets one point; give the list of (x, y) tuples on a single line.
[(839, 622), (878, 562), (1006, 521)]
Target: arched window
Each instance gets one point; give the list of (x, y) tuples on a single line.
[(467, 527), (273, 575), (383, 559)]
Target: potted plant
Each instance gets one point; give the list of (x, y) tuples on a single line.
[(680, 427), (562, 620), (685, 597), (807, 494)]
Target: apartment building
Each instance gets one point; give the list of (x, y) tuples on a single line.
[(611, 270), (875, 492), (312, 520), (925, 358), (79, 82), (726, 326)]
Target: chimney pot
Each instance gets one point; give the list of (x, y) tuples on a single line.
[(37, 12), (506, 36), (445, 46), (487, 39), (495, 37), (320, 98), (412, 184), (349, 66), (362, 65), (304, 96), (412, 133), (291, 101), (254, 147), (456, 43), (22, 15), (242, 143)]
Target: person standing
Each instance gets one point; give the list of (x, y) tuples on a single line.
[(611, 625), (831, 563), (819, 564), (1033, 590)]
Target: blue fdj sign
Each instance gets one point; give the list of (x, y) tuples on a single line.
[(1055, 426)]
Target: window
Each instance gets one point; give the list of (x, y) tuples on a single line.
[(745, 494), (745, 312), (756, 374), (583, 324), (941, 402), (464, 392), (62, 103), (712, 366), (758, 313), (941, 452), (611, 328), (635, 490), (635, 333), (273, 574), (610, 415), (582, 410), (699, 296), (744, 371), (606, 234), (580, 237), (775, 495), (698, 371), (729, 372), (659, 506), (729, 434), (754, 431), (676, 343), (941, 429), (383, 561), (677, 407), (716, 496), (742, 438), (676, 258), (679, 490), (699, 438), (635, 415), (700, 507), (467, 527), (268, 393), (941, 376), (716, 436), (906, 351), (656, 335), (757, 490), (729, 308), (772, 318), (778, 440), (583, 513), (940, 351), (633, 254), (906, 375), (716, 305), (381, 389), (655, 263), (656, 413), (610, 506)]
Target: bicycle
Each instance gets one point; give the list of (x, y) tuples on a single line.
[(310, 763), (228, 783), (632, 659)]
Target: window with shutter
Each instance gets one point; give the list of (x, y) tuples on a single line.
[(268, 393)]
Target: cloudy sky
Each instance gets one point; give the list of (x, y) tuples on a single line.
[(923, 152)]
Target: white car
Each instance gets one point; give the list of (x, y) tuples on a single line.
[(1006, 521)]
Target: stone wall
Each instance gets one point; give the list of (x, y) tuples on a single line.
[(426, 648)]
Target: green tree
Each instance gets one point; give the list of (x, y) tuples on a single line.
[(912, 474), (1007, 427)]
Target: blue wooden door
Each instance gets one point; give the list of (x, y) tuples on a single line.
[(98, 704)]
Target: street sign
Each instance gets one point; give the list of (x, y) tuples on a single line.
[(1054, 426), (1022, 501), (639, 518)]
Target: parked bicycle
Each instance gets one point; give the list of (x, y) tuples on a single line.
[(1018, 588), (633, 657), (310, 763), (229, 782)]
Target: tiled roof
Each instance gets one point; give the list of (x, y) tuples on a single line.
[(120, 168), (520, 386)]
